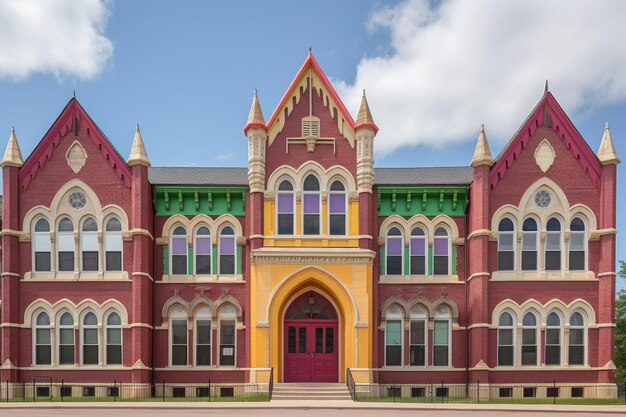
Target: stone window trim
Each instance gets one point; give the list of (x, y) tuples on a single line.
[(297, 176)]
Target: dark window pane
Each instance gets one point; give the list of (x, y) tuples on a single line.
[(529, 355), (179, 332), (66, 261), (114, 261), (179, 264), (576, 355), (90, 261), (43, 355), (418, 355), (417, 332), (90, 354), (301, 339), (66, 353), (319, 340), (440, 265), (577, 260), (227, 355), (553, 336), (227, 332), (291, 340), (553, 260), (394, 265), (114, 354), (179, 355), (203, 336), (227, 264), (203, 355), (42, 261), (505, 355), (505, 261), (440, 356), (330, 340), (311, 224), (553, 355), (394, 356), (418, 265), (337, 224), (203, 264), (285, 224), (529, 260)]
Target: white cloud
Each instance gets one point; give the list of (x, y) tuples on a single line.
[(225, 156), (61, 37), (458, 64)]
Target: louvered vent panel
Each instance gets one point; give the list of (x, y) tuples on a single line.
[(310, 127)]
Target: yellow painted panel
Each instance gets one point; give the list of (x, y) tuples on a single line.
[(324, 225), (268, 217), (353, 218), (298, 218)]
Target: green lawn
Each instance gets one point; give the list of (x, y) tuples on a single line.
[(462, 400), (247, 398)]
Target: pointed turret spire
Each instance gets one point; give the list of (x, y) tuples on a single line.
[(545, 89), (482, 153), (364, 118), (138, 154), (255, 118), (13, 155), (607, 153)]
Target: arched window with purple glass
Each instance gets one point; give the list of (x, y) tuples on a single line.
[(311, 203), (394, 249), (418, 251), (441, 251), (226, 248), (179, 251), (337, 209), (285, 208)]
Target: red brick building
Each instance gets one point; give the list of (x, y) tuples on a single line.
[(310, 261)]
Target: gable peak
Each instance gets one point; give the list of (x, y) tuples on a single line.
[(607, 153), (12, 155)]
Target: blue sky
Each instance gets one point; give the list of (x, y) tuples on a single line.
[(185, 70)]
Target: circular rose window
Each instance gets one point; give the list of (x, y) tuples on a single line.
[(78, 200), (542, 199)]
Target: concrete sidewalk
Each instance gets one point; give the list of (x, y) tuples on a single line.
[(334, 405)]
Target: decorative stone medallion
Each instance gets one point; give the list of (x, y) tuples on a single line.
[(544, 155), (76, 157)]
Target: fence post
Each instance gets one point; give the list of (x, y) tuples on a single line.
[(478, 391), (617, 394), (554, 393), (209, 390), (114, 390), (62, 389), (7, 390), (163, 391), (33, 389), (442, 391)]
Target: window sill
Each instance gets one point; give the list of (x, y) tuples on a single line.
[(76, 276), (543, 276), (419, 279), (234, 279)]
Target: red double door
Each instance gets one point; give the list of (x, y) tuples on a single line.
[(311, 341)]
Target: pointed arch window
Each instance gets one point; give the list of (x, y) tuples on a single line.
[(66, 339), (394, 336), (553, 244), (441, 251), (90, 339), (311, 206), (179, 251), (419, 335), (43, 343), (529, 245), (42, 245), (178, 337), (576, 354), (506, 330), (529, 339), (203, 336), (65, 245), (113, 244), (227, 251), (394, 249), (418, 251), (89, 244), (203, 250), (337, 208), (228, 335), (577, 245), (506, 242), (113, 339), (441, 337), (553, 339), (285, 208)]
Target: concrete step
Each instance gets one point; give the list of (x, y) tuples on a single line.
[(310, 391)]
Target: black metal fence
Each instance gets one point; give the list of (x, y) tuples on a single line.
[(46, 390), (477, 393)]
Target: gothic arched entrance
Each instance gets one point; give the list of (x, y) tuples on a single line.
[(311, 333)]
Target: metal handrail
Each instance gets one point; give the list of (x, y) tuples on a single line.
[(271, 387), (351, 384)]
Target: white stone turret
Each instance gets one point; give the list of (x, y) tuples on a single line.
[(366, 130), (256, 131)]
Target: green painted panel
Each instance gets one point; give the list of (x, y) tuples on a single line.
[(430, 260), (408, 201), (239, 256), (199, 200), (190, 270), (166, 260), (382, 260), (453, 260), (407, 261), (214, 259)]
